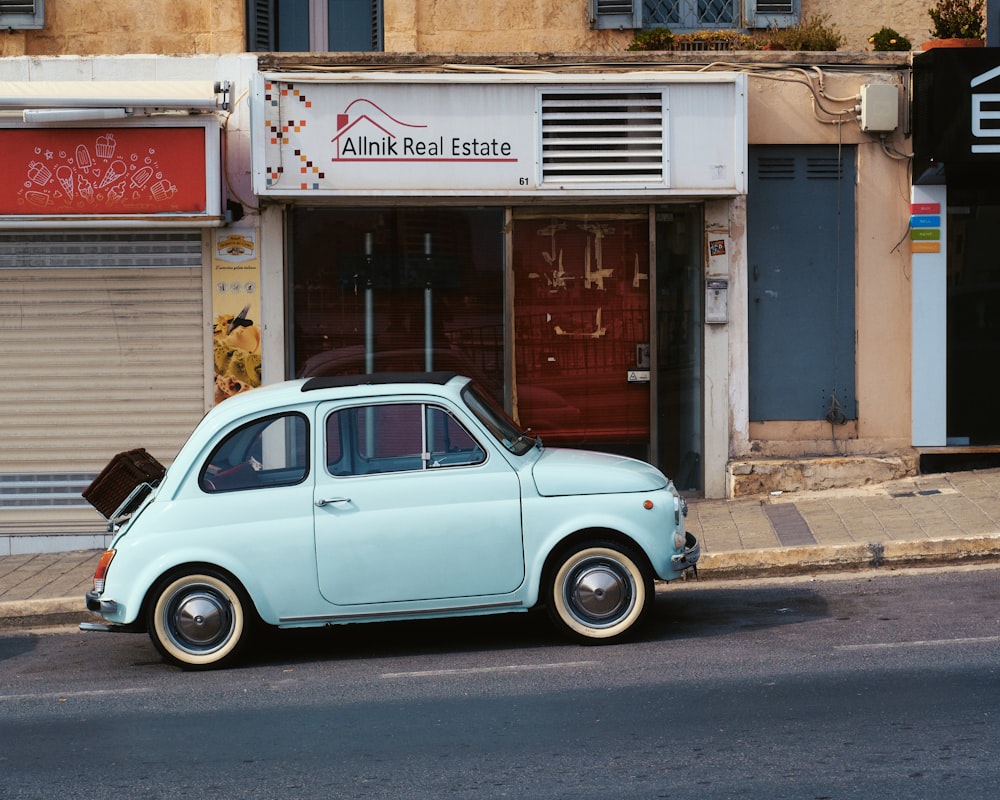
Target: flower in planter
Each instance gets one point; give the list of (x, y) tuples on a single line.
[(957, 19), (889, 39)]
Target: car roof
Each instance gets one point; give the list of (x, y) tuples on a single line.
[(376, 379)]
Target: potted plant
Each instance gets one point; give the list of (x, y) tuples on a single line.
[(957, 23), (659, 38), (816, 34), (889, 39)]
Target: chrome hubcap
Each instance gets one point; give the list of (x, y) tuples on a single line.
[(200, 619), (599, 592)]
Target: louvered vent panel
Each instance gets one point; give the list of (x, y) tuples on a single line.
[(775, 169), (606, 137), (775, 8), (823, 169), (122, 251), (614, 6), (16, 7)]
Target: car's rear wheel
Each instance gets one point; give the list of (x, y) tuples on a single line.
[(598, 592), (199, 620)]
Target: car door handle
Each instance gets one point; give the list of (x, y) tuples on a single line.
[(326, 501)]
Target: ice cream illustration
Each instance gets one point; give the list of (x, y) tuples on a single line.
[(38, 198), (105, 147), (85, 188), (115, 172), (139, 179), (38, 173), (162, 190), (104, 170), (83, 160), (65, 176)]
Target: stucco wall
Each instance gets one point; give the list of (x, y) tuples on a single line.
[(90, 27), (782, 112), (858, 19), (461, 26), (87, 27)]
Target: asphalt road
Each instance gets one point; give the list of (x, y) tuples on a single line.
[(874, 685)]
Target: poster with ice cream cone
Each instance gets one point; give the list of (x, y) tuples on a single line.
[(94, 171), (236, 330)]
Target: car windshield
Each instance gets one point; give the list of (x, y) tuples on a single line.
[(503, 428)]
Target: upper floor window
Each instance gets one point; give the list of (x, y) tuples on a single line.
[(314, 26), (691, 15), (695, 14)]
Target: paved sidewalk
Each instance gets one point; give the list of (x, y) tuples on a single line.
[(940, 518)]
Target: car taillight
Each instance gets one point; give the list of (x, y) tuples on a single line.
[(102, 570)]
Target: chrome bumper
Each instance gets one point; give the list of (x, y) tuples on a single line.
[(689, 558), (99, 605)]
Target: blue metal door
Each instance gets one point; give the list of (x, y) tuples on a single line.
[(800, 231)]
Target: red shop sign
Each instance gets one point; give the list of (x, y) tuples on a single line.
[(91, 171)]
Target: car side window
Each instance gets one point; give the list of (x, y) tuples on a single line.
[(273, 451), (450, 444), (396, 437)]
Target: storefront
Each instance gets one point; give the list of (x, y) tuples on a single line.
[(956, 278), (554, 237), (102, 286)]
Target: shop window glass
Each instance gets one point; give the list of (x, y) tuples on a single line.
[(398, 290)]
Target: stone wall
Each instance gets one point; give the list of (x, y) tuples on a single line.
[(91, 27)]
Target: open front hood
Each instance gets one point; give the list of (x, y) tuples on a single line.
[(567, 472)]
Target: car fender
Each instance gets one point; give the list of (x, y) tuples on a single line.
[(648, 531), (144, 574)]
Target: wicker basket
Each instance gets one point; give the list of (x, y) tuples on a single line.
[(120, 477)]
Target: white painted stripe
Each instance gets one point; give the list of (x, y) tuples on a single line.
[(919, 643), (435, 673), (61, 696)]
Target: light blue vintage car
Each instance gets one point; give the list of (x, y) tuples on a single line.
[(383, 497)]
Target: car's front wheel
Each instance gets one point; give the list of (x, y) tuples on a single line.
[(199, 620), (599, 592)]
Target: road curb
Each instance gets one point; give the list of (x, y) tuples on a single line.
[(779, 561), (35, 613)]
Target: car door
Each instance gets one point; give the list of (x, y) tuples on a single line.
[(410, 507)]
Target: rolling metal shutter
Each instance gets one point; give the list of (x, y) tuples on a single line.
[(103, 341)]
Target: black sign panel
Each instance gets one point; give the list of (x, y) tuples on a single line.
[(956, 108)]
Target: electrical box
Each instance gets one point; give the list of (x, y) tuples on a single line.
[(717, 300), (879, 107)]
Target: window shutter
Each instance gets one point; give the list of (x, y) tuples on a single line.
[(771, 13), (616, 14), (377, 26), (22, 14), (261, 26)]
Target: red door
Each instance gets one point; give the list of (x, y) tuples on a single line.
[(581, 329)]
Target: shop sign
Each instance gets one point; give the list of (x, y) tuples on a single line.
[(99, 173), (957, 107), (358, 135)]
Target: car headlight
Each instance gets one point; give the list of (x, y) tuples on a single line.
[(680, 540)]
